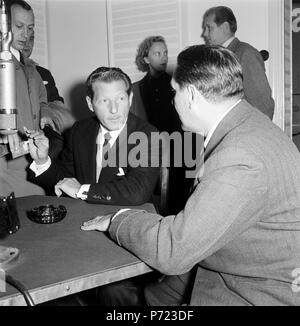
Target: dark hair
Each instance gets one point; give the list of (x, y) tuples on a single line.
[(223, 14), (20, 3), (213, 70), (143, 51), (107, 75)]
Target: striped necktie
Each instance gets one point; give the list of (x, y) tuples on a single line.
[(106, 146)]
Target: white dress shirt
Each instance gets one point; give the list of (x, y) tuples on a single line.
[(226, 43), (16, 53)]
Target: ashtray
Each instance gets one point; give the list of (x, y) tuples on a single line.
[(47, 214)]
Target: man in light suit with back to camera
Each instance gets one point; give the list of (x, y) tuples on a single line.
[(240, 227), (81, 172), (219, 28)]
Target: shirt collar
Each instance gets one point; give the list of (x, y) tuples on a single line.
[(226, 43), (212, 130), (114, 134), (16, 53)]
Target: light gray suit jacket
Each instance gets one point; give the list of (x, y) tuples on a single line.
[(256, 86), (240, 226)]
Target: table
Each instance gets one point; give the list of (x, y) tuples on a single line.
[(60, 259)]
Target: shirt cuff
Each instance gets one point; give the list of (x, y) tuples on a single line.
[(83, 191), (120, 212), (38, 169)]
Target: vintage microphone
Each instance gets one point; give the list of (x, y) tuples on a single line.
[(8, 106)]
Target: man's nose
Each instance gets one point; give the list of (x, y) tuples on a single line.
[(113, 107), (25, 32), (204, 33)]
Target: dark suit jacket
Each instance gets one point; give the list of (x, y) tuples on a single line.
[(79, 161), (49, 82), (241, 225), (256, 86)]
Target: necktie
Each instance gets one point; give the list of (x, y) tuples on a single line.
[(22, 59), (102, 154), (106, 146)]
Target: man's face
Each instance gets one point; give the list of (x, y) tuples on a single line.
[(111, 103), (27, 50), (157, 57), (212, 33), (22, 23)]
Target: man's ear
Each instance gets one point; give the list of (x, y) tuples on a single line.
[(226, 28), (89, 103), (192, 92)]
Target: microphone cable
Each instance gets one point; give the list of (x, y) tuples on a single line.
[(21, 288)]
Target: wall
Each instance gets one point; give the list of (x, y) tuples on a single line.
[(251, 15), (77, 44), (77, 37)]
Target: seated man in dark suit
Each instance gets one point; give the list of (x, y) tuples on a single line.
[(83, 171)]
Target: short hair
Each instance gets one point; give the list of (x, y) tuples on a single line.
[(143, 51), (107, 75), (20, 3), (213, 70), (23, 4), (223, 14)]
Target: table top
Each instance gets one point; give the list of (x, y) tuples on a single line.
[(60, 259)]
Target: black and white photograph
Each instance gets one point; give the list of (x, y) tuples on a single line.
[(149, 155)]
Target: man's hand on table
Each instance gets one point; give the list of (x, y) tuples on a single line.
[(101, 223)]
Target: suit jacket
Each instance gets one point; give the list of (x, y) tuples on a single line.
[(79, 161), (49, 82), (256, 86), (58, 111), (31, 105), (241, 225)]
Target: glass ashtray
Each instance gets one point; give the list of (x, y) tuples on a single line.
[(47, 214)]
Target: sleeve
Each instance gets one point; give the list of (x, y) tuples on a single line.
[(61, 115), (134, 188), (229, 199), (59, 169), (256, 86), (52, 104), (39, 169)]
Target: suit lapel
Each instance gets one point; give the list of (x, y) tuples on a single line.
[(234, 118), (88, 147)]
